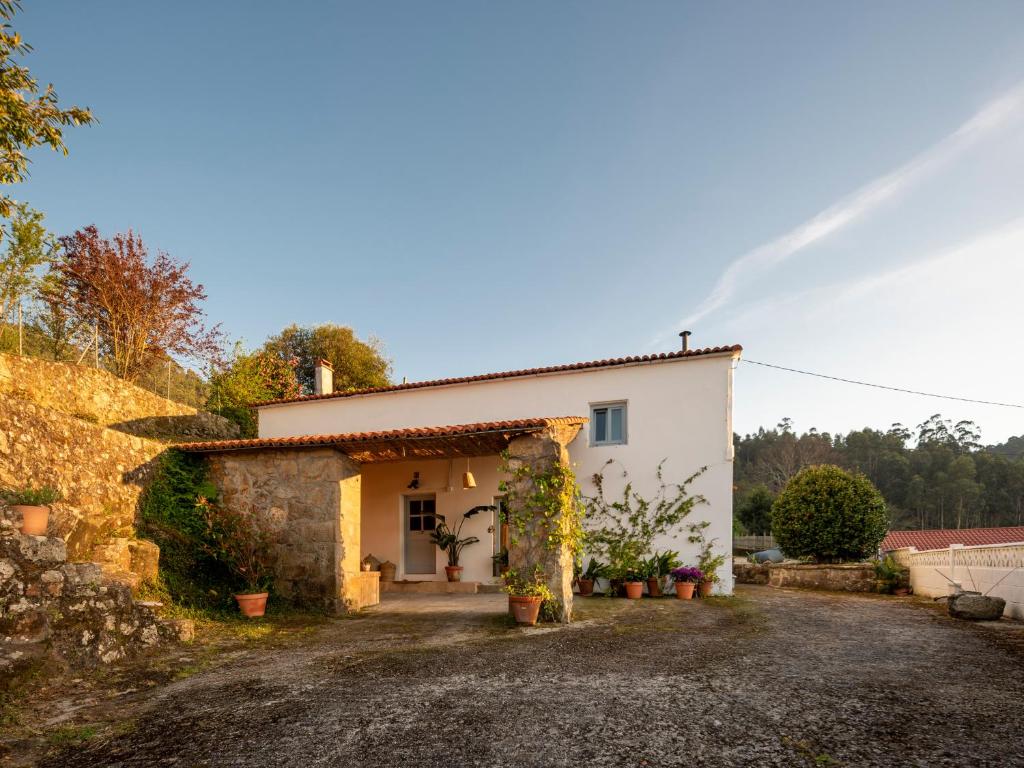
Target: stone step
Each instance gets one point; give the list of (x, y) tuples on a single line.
[(431, 587)]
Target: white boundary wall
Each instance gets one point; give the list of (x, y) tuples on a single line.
[(995, 569)]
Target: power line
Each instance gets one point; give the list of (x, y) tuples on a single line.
[(883, 386)]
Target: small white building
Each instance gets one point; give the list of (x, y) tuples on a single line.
[(674, 408)]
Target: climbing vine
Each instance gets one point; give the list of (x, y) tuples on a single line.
[(551, 509), (624, 528)]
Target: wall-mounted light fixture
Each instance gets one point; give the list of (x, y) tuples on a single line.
[(415, 482)]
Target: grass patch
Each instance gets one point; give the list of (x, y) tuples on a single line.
[(71, 735)]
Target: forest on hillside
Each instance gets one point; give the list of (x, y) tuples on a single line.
[(938, 475)]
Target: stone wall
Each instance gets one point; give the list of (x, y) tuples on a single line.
[(750, 573), (311, 500), (95, 396), (48, 605), (845, 577), (99, 471)]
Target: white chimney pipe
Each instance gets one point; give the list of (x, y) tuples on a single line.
[(323, 378)]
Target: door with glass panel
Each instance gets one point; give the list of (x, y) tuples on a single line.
[(420, 521)]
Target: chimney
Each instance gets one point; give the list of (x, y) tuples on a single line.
[(323, 378), (685, 336)]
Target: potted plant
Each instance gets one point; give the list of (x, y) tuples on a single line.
[(685, 579), (452, 544), (657, 568), (633, 581), (247, 549), (595, 570), (526, 596), (34, 506), (707, 562)]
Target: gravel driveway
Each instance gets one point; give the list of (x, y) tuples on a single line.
[(770, 678)]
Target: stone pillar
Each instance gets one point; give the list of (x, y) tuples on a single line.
[(541, 451)]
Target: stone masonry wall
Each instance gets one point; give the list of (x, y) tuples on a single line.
[(97, 397), (311, 500), (100, 472), (71, 610), (846, 577)]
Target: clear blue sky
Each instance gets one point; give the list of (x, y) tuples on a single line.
[(488, 186)]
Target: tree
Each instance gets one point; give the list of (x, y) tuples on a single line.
[(250, 378), (357, 364), (29, 247), (53, 316), (146, 310), (755, 511), (829, 514), (30, 117)]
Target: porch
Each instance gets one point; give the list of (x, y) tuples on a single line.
[(332, 500)]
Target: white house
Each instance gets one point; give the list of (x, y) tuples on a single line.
[(640, 411)]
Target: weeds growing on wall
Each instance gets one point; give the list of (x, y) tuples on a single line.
[(169, 515)]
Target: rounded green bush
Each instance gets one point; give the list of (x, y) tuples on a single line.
[(829, 514)]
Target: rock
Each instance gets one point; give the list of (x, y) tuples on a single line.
[(975, 607), (145, 559)]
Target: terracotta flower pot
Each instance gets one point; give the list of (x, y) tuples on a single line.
[(684, 590), (453, 572), (586, 587), (706, 587), (253, 604), (33, 519), (634, 590), (654, 587), (525, 609)]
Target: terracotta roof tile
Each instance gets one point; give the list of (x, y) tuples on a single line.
[(354, 439), (941, 538), (618, 361)]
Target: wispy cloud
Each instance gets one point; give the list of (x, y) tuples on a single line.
[(992, 117)]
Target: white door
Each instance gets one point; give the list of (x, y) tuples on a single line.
[(420, 551)]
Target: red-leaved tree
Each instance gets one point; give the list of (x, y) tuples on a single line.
[(145, 309)]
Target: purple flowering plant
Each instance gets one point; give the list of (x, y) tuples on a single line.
[(687, 575)]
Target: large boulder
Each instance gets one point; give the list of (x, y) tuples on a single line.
[(976, 607)]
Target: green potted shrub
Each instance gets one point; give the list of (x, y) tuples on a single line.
[(656, 568), (526, 596), (33, 504), (595, 570), (452, 543), (708, 563), (245, 548)]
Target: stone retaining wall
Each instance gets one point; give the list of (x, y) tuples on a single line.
[(750, 573), (844, 577), (100, 472), (48, 605), (97, 397)]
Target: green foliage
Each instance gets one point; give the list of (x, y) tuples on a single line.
[(596, 570), (238, 542), (168, 515), (29, 248), (246, 379), (449, 541), (755, 510), (934, 476), (31, 117), (554, 508), (31, 496), (708, 562), (829, 514), (357, 364), (624, 528)]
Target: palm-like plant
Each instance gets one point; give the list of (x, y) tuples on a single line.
[(450, 541)]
